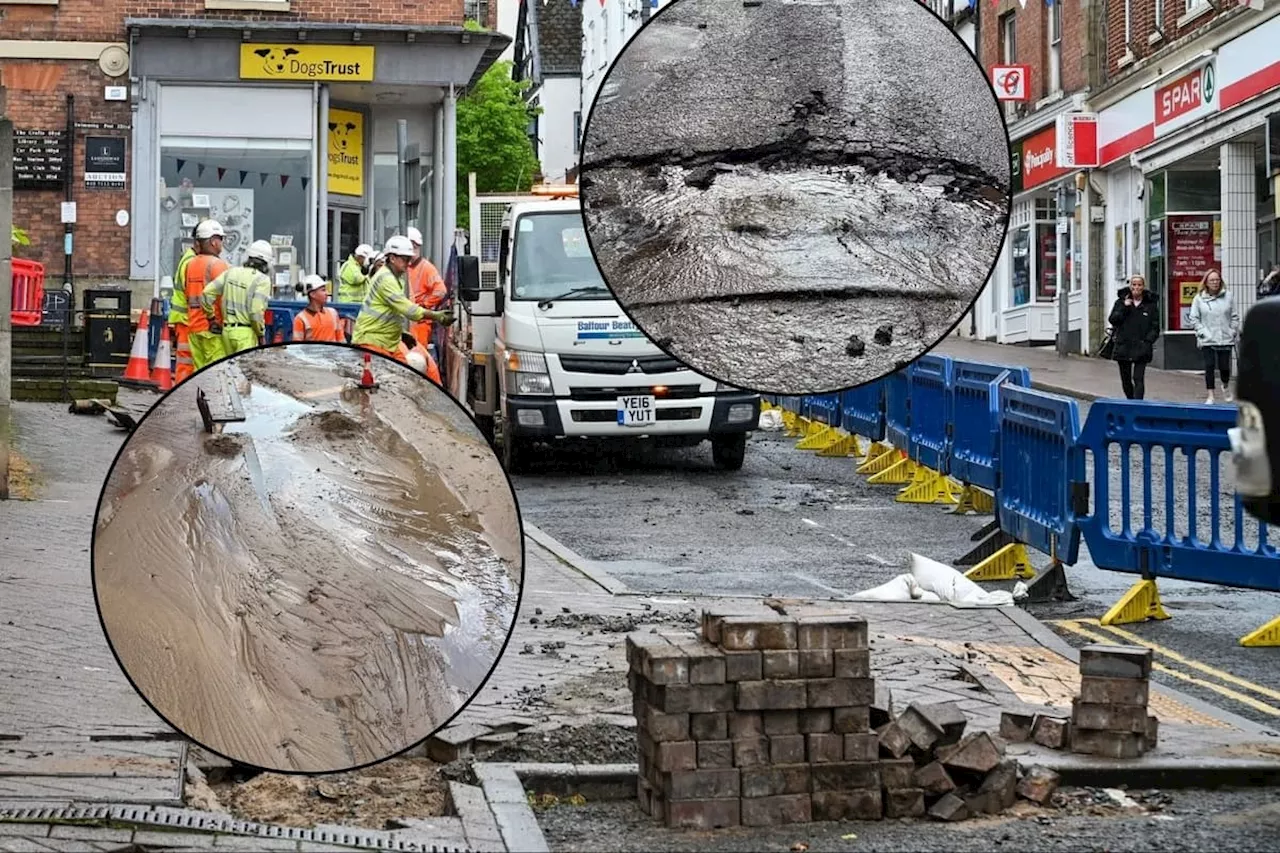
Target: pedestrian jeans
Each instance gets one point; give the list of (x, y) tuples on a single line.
[(1219, 357), (1133, 375)]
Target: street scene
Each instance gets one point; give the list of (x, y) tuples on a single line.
[(1018, 589)]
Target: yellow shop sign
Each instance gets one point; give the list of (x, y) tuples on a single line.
[(323, 62), (346, 152)]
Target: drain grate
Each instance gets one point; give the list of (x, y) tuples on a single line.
[(198, 821)]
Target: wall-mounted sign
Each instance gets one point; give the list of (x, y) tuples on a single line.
[(39, 159), (1011, 82), (323, 62), (346, 152), (1039, 162), (104, 163), (1186, 98), (1076, 142)]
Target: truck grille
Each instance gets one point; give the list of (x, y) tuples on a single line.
[(605, 416), (673, 392), (619, 365)]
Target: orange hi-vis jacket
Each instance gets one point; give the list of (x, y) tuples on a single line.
[(202, 270), (427, 289), (322, 325)]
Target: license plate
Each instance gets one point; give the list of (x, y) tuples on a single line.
[(636, 411)]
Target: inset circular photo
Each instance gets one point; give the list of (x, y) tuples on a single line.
[(307, 558), (796, 196)]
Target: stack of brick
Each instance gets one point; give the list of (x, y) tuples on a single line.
[(757, 722), (1110, 717)]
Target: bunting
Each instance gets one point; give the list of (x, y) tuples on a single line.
[(243, 175), (305, 181), (284, 181), (181, 163), (221, 171), (262, 179), (199, 170)]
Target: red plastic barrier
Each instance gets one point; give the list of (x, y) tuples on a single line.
[(28, 292)]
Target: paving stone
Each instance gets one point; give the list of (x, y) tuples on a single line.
[(706, 664), (840, 692), (1038, 784), (701, 784), (1001, 785), (711, 627), (865, 804), (1153, 732), (1053, 732), (860, 747), (897, 772), (881, 710), (934, 779), (786, 749), (703, 814), (817, 663), (664, 727), (894, 741), (637, 645), (664, 664), (1113, 718), (696, 698), (676, 755), (814, 721), (781, 722), (846, 776), (1114, 691), (1108, 744), (709, 726), (945, 717), (903, 802), (94, 833), (1113, 661), (746, 724), (254, 843), (777, 811), (922, 733), (851, 720), (776, 780), (827, 749), (742, 666), (851, 663), (976, 753), (715, 753), (1016, 728), (519, 827), (780, 664), (832, 632), (746, 633), (771, 695), (750, 752), (949, 808)]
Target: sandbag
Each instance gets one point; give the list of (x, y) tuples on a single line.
[(901, 588), (770, 420), (950, 585)]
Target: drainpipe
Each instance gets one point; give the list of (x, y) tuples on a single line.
[(321, 182)]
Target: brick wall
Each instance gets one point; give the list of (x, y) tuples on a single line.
[(1142, 26), (1031, 42)]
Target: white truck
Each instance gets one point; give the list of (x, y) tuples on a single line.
[(543, 353)]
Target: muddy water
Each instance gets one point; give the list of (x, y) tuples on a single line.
[(320, 586)]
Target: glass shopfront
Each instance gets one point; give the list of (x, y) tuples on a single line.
[(1184, 239)]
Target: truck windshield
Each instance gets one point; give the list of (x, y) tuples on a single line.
[(552, 259)]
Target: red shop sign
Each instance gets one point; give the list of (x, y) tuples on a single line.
[(1039, 159)]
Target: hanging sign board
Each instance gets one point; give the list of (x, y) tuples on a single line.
[(1011, 82), (104, 162), (1076, 145)]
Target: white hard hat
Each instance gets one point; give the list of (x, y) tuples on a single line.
[(262, 251), (398, 245), (364, 250), (417, 361), (209, 228), (312, 282), (415, 236)]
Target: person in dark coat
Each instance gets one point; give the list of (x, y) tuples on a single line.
[(1136, 321)]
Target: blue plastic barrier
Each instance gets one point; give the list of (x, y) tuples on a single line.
[(1041, 464), (862, 411), (897, 410), (1190, 525), (792, 404), (825, 409), (929, 426), (975, 418)]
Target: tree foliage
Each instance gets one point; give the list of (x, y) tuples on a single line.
[(19, 237), (493, 137)]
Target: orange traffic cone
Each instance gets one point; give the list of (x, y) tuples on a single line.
[(138, 371), (366, 378), (161, 374)]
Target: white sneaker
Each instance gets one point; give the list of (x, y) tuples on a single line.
[(1209, 401), (1228, 396)]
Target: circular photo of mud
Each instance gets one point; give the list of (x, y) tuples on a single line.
[(793, 197), (301, 573)]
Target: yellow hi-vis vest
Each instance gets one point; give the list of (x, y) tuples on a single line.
[(385, 308)]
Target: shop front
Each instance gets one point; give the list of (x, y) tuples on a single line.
[(1191, 184), (283, 134)]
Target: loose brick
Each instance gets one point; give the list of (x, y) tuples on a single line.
[(742, 666), (850, 720), (746, 724), (832, 632), (701, 784), (945, 717), (638, 644), (1115, 661), (1038, 785), (644, 794), (894, 742), (676, 755), (709, 726), (861, 747), (781, 722), (1108, 744), (814, 721), (664, 664), (976, 753), (826, 748), (846, 776), (771, 695), (786, 749), (775, 781), (949, 808), (777, 811), (903, 802), (851, 663), (750, 752), (864, 804), (840, 692), (664, 727), (780, 664), (1001, 787), (695, 698), (757, 633), (817, 663), (1053, 732), (881, 709), (1112, 718), (703, 814), (934, 779), (1099, 690), (1153, 732), (978, 803), (715, 753), (711, 627), (1016, 728), (897, 773), (916, 726), (706, 664)]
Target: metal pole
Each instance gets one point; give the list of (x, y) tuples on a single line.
[(450, 182), (6, 291), (402, 188), (438, 198), (1063, 288), (323, 249), (68, 237)]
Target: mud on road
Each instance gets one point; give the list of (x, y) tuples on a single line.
[(320, 586)]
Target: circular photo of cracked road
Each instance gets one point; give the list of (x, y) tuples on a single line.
[(795, 196), (302, 573)]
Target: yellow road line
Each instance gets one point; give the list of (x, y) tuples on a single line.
[(1075, 628)]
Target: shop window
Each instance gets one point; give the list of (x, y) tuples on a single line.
[(258, 189), (1156, 196), (1198, 190), (1020, 266), (1047, 261), (577, 131), (1054, 24)]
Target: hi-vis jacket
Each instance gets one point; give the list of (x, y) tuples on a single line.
[(244, 293), (381, 320)]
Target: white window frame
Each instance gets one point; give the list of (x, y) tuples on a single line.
[(1055, 47), (1009, 38), (1193, 10)]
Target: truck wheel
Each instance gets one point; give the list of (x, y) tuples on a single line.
[(729, 451), (514, 451)]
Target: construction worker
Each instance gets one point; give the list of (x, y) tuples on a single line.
[(206, 345), (419, 358), (426, 287), (178, 313), (317, 322), (353, 278), (381, 320), (244, 291)]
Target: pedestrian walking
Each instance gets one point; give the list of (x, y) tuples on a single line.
[(1270, 284), (1135, 322), (317, 322), (1216, 321), (244, 291)]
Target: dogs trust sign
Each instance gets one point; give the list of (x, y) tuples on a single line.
[(335, 63), (346, 152)]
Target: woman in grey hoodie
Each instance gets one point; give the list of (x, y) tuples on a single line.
[(1217, 323)]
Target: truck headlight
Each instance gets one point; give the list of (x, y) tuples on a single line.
[(527, 373), (740, 412)]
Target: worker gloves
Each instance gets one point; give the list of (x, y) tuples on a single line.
[(443, 317)]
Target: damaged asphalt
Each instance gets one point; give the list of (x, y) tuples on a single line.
[(768, 188)]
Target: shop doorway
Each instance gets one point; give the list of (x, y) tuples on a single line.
[(346, 231)]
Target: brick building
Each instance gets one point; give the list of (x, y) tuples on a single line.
[(191, 108)]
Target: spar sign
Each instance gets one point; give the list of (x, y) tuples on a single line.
[(1186, 98), (1011, 82)]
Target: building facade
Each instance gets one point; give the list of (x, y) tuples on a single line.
[(277, 117), (606, 29), (559, 89)]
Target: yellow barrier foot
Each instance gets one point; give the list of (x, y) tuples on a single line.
[(818, 439), (972, 499), (899, 473), (1140, 603), (1011, 561), (798, 426), (1268, 636), (879, 457), (926, 487), (845, 445)]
